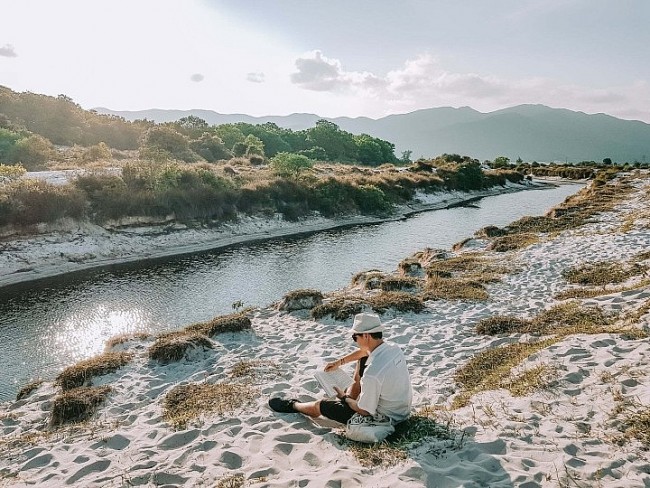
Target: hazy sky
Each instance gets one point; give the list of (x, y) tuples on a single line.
[(332, 58)]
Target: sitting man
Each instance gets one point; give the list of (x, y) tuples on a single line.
[(382, 383)]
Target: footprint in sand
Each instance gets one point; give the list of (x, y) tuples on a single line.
[(179, 439), (96, 467)]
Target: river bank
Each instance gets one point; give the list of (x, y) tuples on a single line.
[(571, 429), (73, 247)]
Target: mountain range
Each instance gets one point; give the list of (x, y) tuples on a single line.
[(530, 132)]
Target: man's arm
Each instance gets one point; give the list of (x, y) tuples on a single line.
[(352, 403)]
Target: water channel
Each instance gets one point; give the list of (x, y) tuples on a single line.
[(48, 325)]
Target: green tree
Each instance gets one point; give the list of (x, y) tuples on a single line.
[(288, 164), (192, 126), (210, 147), (607, 161), (164, 142), (501, 162), (229, 135), (338, 144), (33, 152)]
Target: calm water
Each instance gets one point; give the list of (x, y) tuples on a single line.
[(46, 327)]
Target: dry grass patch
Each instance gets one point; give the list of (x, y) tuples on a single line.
[(455, 289), (602, 273), (457, 264), (636, 425), (236, 322), (501, 324), (369, 280), (26, 390), (83, 372), (77, 405), (408, 435), (185, 403), (124, 338), (512, 242), (400, 283), (410, 267), (341, 308), (400, 301), (534, 379), (300, 300), (254, 371), (597, 292), (233, 481), (174, 345), (487, 369)]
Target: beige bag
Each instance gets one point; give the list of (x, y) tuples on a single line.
[(369, 428)]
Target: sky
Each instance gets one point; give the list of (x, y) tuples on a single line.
[(335, 58)]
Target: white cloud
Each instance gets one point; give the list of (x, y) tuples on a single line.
[(255, 77), (8, 51), (423, 82), (197, 77)]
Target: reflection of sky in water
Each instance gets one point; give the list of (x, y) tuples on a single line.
[(82, 335), (49, 326)]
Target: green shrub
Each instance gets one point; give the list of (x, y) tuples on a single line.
[(33, 152), (288, 164)]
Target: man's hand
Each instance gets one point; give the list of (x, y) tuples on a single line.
[(339, 393)]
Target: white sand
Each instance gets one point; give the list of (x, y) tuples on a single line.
[(560, 437)]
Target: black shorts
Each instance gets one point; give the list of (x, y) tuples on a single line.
[(336, 410)]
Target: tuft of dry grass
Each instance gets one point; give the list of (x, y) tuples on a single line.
[(501, 324), (174, 345), (232, 481), (454, 289), (400, 283), (300, 300), (636, 425), (534, 379), (254, 371), (26, 390), (370, 280), (341, 308), (512, 242), (185, 403), (410, 267), (77, 405), (408, 435), (124, 338), (399, 301), (236, 322), (487, 369), (82, 373), (602, 273), (596, 292)]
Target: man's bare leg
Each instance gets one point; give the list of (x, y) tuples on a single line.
[(311, 409)]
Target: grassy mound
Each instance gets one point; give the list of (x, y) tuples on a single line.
[(236, 322), (173, 346), (77, 405), (81, 374)]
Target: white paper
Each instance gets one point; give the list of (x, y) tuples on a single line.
[(329, 379)]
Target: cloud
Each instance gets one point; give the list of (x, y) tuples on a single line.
[(319, 73), (8, 51), (197, 77), (423, 82), (255, 77)]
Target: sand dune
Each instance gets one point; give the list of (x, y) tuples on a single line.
[(567, 434)]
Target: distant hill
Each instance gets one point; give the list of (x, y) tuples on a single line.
[(532, 132)]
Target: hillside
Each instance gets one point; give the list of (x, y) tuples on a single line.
[(532, 132)]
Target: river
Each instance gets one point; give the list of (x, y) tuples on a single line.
[(46, 326)]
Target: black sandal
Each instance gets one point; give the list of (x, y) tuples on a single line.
[(282, 405)]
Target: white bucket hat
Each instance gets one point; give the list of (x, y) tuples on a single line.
[(366, 323)]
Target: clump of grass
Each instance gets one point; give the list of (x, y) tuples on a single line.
[(174, 345), (187, 402), (370, 280), (487, 369), (77, 405), (339, 308), (82, 373), (233, 481), (254, 371), (457, 264), (512, 242), (501, 324), (570, 318), (408, 435), (399, 301), (26, 390), (601, 273), (542, 224), (595, 292), (303, 299), (236, 322), (410, 267), (636, 425), (534, 379), (489, 231), (124, 338), (455, 289), (399, 283)]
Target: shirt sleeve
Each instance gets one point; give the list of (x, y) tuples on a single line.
[(369, 397)]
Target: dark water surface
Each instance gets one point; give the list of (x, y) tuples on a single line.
[(47, 326)]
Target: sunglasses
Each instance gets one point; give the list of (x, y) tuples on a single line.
[(354, 337)]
